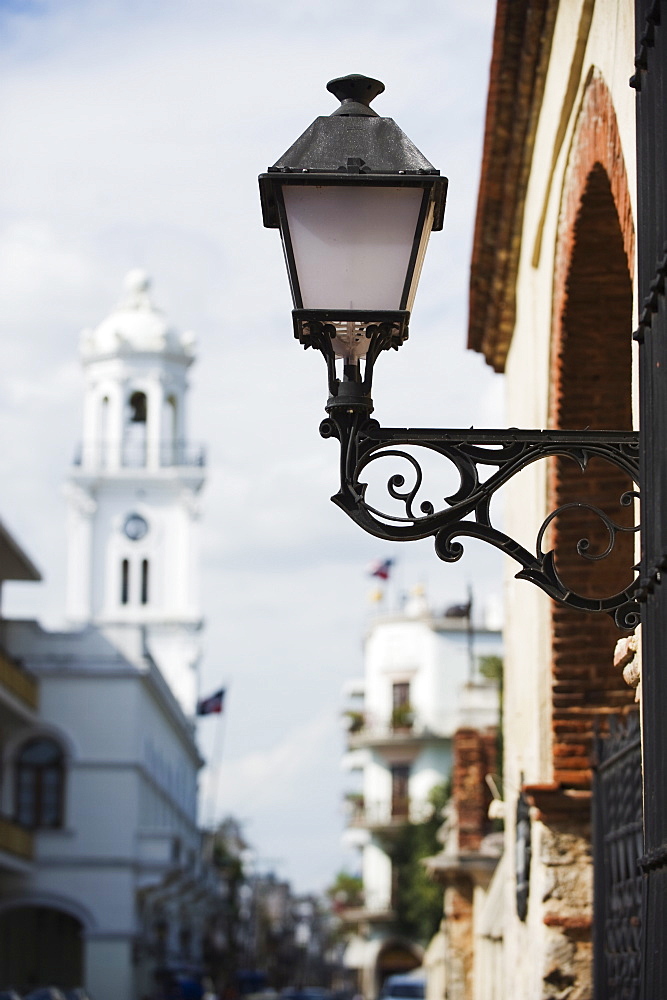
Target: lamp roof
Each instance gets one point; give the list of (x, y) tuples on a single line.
[(353, 140), (354, 131), (330, 142)]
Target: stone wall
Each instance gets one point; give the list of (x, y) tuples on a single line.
[(568, 911)]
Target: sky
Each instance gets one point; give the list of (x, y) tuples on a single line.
[(133, 132)]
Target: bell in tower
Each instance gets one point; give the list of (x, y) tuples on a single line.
[(134, 437)]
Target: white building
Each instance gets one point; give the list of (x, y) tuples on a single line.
[(105, 773), (19, 698), (133, 493), (402, 718)]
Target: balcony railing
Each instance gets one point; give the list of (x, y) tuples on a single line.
[(15, 839), (376, 912), (368, 732), (137, 456), (378, 815), (17, 680)]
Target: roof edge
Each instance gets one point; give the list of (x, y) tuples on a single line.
[(18, 564), (521, 47)]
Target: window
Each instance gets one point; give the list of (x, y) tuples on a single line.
[(138, 408), (400, 803), (40, 779), (124, 582), (401, 694), (144, 581), (401, 712)]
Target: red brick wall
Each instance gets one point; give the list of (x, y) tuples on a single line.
[(591, 367), (475, 756)]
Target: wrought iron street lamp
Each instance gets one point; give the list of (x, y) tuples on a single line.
[(355, 202)]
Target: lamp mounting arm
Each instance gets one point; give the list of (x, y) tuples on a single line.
[(467, 512)]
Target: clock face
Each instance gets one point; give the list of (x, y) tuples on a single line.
[(135, 527)]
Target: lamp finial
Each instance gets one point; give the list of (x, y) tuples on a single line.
[(355, 92)]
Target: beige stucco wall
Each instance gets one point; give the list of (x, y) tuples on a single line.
[(608, 45)]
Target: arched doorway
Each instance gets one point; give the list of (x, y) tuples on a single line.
[(40, 946), (394, 958)]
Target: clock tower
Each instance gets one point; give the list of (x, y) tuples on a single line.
[(134, 487)]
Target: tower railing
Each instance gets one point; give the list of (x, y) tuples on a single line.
[(114, 455)]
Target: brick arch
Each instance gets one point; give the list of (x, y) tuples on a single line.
[(596, 140), (590, 379), (595, 148)]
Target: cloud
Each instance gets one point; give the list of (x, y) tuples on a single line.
[(288, 800), (133, 134), (257, 781)]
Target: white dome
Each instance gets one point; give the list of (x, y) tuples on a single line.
[(136, 325)]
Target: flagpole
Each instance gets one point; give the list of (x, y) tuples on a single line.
[(214, 705), (214, 765)]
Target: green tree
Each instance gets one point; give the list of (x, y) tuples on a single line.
[(417, 898), (491, 667), (346, 891)]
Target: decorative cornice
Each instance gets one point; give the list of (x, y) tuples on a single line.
[(477, 867), (521, 49), (553, 801)]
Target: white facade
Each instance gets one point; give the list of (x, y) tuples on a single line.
[(104, 773), (129, 795), (415, 666)]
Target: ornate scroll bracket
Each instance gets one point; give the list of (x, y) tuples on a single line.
[(467, 513)]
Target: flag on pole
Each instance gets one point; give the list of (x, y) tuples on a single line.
[(211, 705), (381, 568)]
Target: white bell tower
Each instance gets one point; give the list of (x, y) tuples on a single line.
[(133, 490)]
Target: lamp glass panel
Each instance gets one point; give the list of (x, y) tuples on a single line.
[(352, 244)]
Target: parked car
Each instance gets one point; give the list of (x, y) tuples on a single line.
[(45, 993), (407, 986), (306, 993), (181, 983)]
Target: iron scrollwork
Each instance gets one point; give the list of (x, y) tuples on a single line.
[(467, 512)]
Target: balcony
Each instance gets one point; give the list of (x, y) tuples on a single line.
[(410, 731), (386, 815), (367, 915), (15, 840), (111, 455), (17, 681)]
